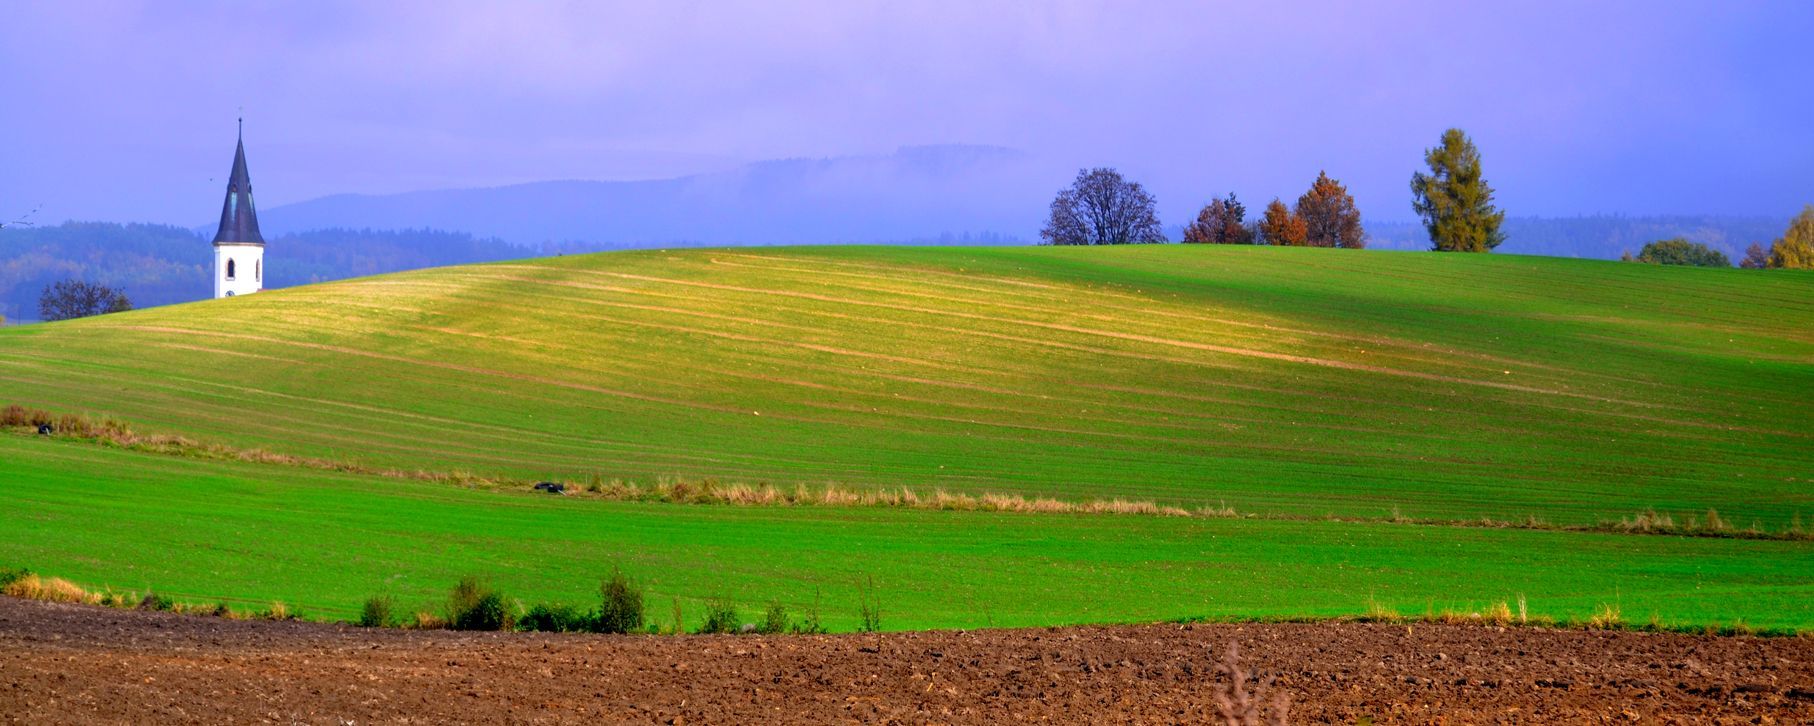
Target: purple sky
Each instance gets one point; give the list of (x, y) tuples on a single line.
[(124, 110)]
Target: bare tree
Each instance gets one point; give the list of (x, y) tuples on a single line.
[(1757, 257), (1222, 221), (68, 299), (1102, 208)]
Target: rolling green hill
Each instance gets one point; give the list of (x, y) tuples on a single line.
[(1270, 379), (1286, 383)]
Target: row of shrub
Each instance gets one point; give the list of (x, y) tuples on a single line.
[(1708, 524), (14, 415), (1711, 524), (475, 605), (709, 491), (114, 432), (23, 583), (672, 490), (1605, 617)]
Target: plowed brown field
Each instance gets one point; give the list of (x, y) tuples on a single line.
[(66, 663)]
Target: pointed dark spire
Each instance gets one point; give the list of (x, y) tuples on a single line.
[(238, 219)]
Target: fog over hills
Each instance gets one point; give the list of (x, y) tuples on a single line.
[(979, 194), (948, 194), (1602, 236)]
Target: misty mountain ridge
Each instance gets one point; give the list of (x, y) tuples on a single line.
[(917, 194), (1603, 236), (943, 194)]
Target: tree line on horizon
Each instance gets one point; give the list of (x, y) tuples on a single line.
[(1453, 200), (1794, 250)]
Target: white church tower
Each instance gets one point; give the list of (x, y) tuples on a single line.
[(239, 251)]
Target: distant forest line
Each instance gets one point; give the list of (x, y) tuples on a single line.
[(160, 264), (163, 264), (1604, 237)]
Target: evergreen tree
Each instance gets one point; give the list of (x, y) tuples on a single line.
[(1329, 215), (1454, 200), (1796, 248)]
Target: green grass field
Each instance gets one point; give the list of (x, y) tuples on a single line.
[(1289, 382), (205, 531)]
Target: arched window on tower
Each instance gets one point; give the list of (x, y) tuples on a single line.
[(258, 270), (229, 269)]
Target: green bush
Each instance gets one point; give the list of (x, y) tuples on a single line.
[(488, 613), (811, 625), (154, 601), (551, 618), (621, 609), (720, 617), (1679, 251), (774, 622), (871, 608), (376, 613), (475, 606)]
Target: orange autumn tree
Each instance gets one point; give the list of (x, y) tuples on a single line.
[(1280, 226), (1330, 217), (1795, 250)]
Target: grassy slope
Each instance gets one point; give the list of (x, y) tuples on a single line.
[(1276, 380), (208, 530), (1445, 385)]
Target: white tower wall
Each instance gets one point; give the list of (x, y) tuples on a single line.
[(248, 262)]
